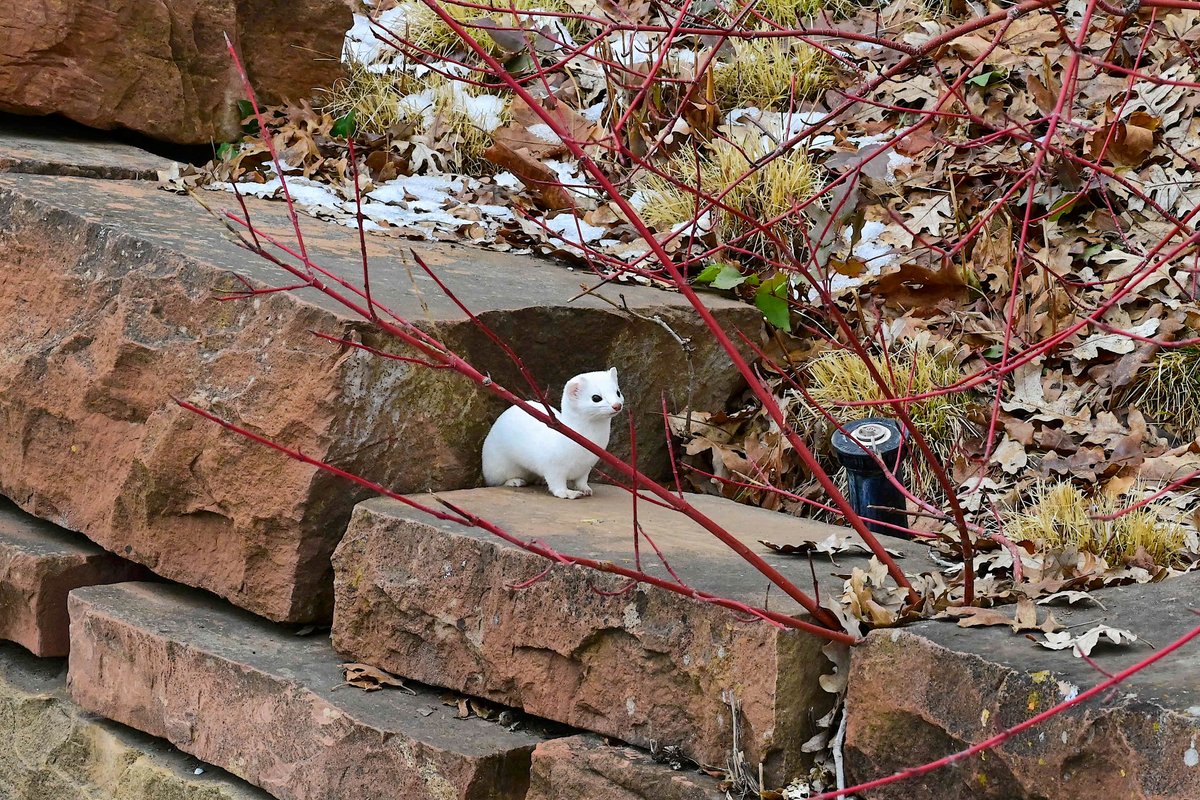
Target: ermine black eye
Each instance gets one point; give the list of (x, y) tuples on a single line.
[(618, 395), (596, 398)]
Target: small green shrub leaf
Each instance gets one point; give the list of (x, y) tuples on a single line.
[(709, 273), (728, 278), (345, 126), (771, 299)]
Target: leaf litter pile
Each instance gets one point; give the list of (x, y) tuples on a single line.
[(979, 219)]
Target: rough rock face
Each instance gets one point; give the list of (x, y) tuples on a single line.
[(162, 69), (431, 600), (583, 767), (266, 705), (915, 697), (109, 306), (53, 750), (39, 564)]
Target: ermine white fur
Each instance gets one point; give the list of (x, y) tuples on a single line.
[(519, 449)]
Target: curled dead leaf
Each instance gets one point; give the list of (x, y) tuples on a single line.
[(370, 679)]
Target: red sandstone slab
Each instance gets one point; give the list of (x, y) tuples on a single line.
[(932, 689), (39, 564), (584, 767), (247, 696), (109, 306), (428, 599)]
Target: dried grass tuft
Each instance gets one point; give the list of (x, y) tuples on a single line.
[(1168, 392), (770, 74), (1061, 517), (373, 97), (762, 193)]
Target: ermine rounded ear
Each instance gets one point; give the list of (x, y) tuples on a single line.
[(574, 388), (612, 371)]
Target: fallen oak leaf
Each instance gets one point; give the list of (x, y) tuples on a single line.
[(370, 679), (1084, 643), (1125, 142)]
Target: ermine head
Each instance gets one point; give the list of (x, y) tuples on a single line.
[(593, 394)]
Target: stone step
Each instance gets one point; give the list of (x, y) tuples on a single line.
[(28, 146), (248, 696), (429, 599), (39, 564), (54, 750), (109, 306), (919, 694), (584, 767)]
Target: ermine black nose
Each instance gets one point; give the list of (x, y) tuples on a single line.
[(617, 406)]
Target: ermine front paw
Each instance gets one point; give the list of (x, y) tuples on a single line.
[(515, 482), (567, 494), (585, 490)]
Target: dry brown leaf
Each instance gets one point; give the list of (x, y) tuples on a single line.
[(371, 679), (542, 181), (1125, 142)]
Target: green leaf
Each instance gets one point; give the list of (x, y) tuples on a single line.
[(520, 64), (1063, 205), (225, 151), (709, 273), (775, 309), (728, 278), (986, 78), (345, 126), (245, 108), (993, 353), (771, 299)]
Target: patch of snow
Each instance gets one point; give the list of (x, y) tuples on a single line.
[(485, 110), (574, 230), (303, 191), (506, 180), (429, 192), (362, 45), (630, 48), (896, 161), (593, 113), (545, 133), (869, 249), (781, 126), (419, 104)]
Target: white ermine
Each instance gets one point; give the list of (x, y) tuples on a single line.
[(519, 449)]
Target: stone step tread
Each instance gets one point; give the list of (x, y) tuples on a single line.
[(39, 564), (54, 750), (121, 281), (962, 686), (30, 147), (1157, 612), (267, 705), (429, 599), (599, 527)]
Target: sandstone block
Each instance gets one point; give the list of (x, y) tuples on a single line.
[(162, 69), (918, 694), (252, 698), (53, 750), (430, 600), (120, 285), (40, 150), (39, 564), (584, 767)]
